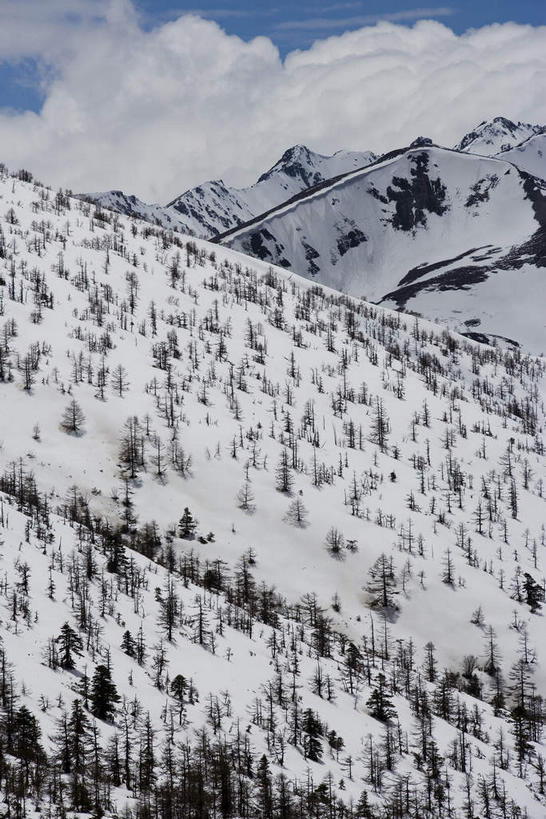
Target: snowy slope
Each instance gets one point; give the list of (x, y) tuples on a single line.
[(421, 221), (405, 440), (213, 207), (530, 155), (500, 134)]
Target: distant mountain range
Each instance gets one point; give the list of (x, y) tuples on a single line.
[(213, 208), (456, 234)]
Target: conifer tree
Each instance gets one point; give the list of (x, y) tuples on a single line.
[(187, 525), (104, 695), (70, 646), (311, 728), (380, 703), (78, 751), (283, 474)]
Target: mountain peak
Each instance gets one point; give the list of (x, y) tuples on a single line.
[(496, 135), (295, 161)]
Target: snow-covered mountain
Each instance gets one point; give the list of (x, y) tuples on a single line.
[(453, 260), (444, 233), (213, 207), (267, 550), (497, 135)]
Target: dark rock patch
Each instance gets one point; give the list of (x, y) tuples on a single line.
[(416, 196), (353, 238)]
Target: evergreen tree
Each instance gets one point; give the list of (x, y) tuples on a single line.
[(187, 525), (264, 789), (104, 695), (78, 733), (534, 593), (179, 687), (311, 728), (380, 703), (283, 474), (70, 646), (24, 741), (128, 644)]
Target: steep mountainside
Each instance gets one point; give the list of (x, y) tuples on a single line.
[(267, 550), (450, 235), (213, 207)]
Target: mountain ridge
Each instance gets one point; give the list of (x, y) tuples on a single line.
[(213, 207)]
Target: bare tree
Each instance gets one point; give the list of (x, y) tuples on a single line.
[(73, 418)]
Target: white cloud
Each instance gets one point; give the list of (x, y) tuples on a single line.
[(155, 112)]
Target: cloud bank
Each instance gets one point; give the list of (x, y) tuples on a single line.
[(155, 112)]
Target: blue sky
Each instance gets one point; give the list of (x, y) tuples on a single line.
[(289, 25), (296, 24)]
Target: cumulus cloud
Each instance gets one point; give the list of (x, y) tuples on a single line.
[(157, 111)]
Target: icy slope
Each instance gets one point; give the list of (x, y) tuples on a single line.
[(419, 221), (314, 435)]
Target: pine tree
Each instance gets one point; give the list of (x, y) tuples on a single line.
[(187, 525), (24, 740), (380, 703), (128, 644), (283, 474), (179, 689), (78, 730), (311, 728), (534, 593), (104, 695), (264, 789), (70, 646)]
